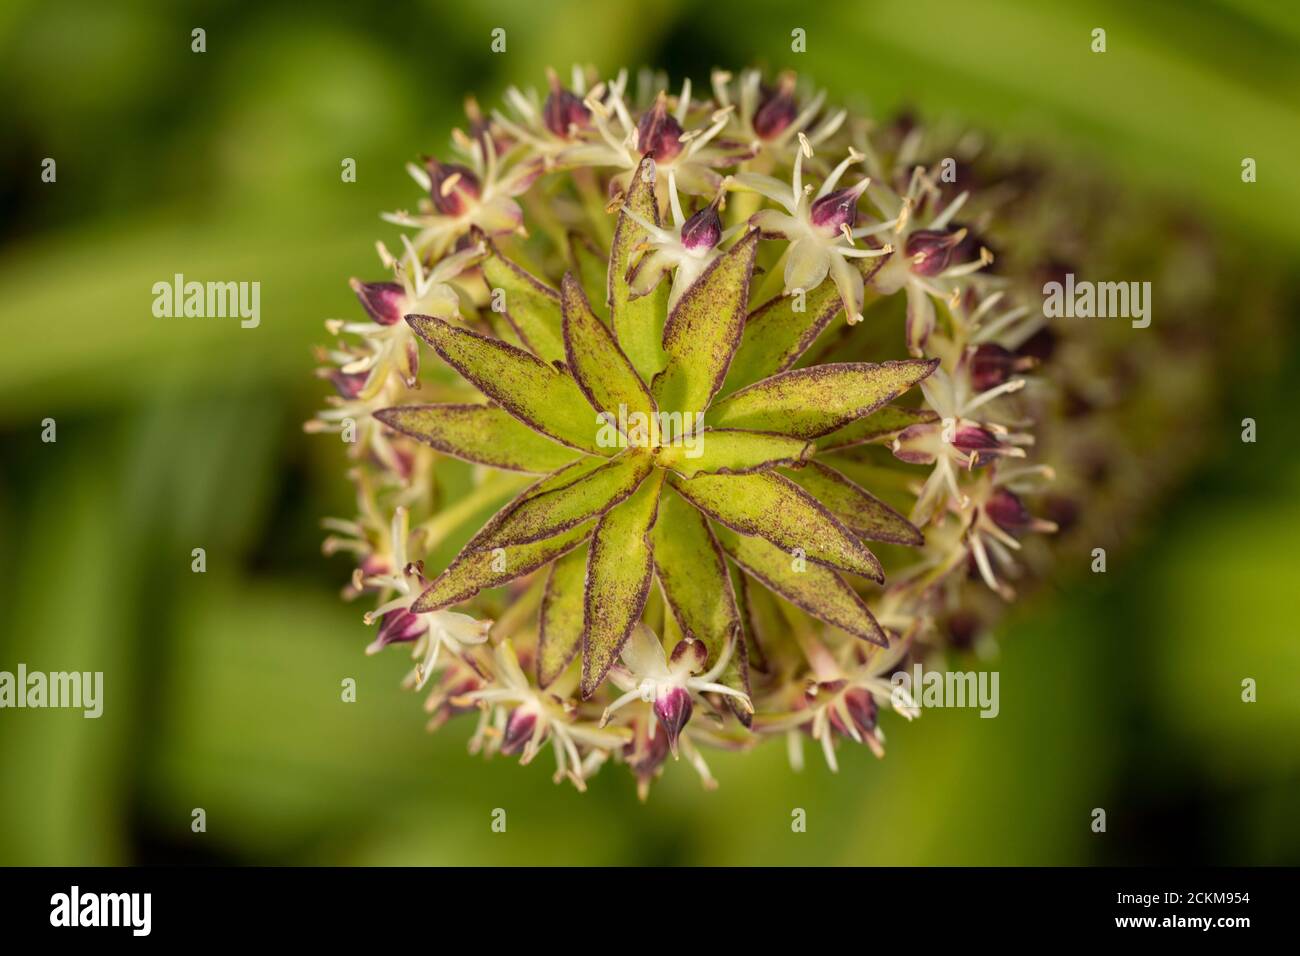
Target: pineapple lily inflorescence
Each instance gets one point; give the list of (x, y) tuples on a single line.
[(654, 338)]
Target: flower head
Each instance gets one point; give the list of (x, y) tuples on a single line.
[(632, 367), (563, 113)]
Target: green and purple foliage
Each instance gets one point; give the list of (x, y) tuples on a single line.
[(663, 330)]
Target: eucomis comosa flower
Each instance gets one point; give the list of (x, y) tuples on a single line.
[(684, 422)]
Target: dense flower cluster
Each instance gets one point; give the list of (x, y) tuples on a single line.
[(665, 344)]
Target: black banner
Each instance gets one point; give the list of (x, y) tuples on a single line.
[(913, 905)]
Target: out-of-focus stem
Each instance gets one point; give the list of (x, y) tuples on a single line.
[(497, 485), (817, 654)]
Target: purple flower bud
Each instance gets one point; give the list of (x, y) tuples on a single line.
[(398, 627), (902, 125), (519, 728), (412, 363), (452, 187), (703, 230), (1040, 346), (963, 627), (970, 245), (1051, 270), (385, 302), (990, 366), (1062, 511), (480, 129), (816, 688), (564, 111), (1007, 511), (977, 441), (931, 249), (691, 653), (645, 754), (914, 444), (348, 384), (372, 565), (777, 111), (659, 134), (839, 208), (862, 712), (460, 687), (673, 709), (974, 438), (470, 239), (403, 463)]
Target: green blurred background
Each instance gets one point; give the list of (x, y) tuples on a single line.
[(1119, 691)]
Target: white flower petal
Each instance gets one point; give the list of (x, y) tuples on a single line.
[(644, 654), (849, 281), (806, 265)]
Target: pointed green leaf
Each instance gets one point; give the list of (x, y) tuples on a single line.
[(774, 507), (863, 513), (531, 306), (884, 422), (591, 265), (484, 434), (539, 395), (598, 365), (729, 451), (637, 323), (474, 570), (619, 570), (704, 328), (542, 515), (560, 630), (736, 676), (810, 402), (694, 575), (819, 591), (779, 331)]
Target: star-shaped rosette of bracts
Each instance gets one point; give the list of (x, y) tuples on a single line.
[(673, 445)]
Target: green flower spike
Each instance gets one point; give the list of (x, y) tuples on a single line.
[(669, 440)]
